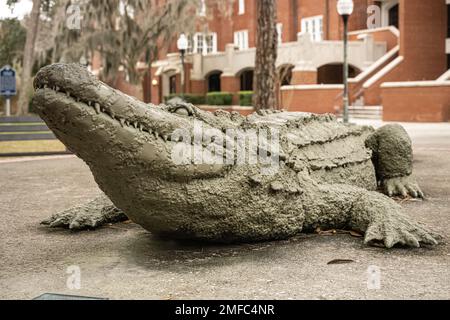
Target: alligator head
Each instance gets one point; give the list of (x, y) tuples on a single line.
[(96, 121), (129, 147)]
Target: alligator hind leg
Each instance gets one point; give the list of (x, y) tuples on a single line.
[(392, 158), (91, 215), (376, 215)]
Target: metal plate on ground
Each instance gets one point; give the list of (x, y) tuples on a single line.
[(56, 296)]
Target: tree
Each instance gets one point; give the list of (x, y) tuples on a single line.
[(28, 58), (12, 42), (126, 32), (265, 74)]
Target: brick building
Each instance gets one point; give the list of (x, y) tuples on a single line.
[(398, 54)]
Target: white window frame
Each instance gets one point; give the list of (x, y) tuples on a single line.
[(313, 26), (280, 32), (198, 38), (385, 7), (241, 7), (190, 48), (212, 45), (241, 39)]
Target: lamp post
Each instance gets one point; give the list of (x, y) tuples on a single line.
[(345, 9), (182, 45)]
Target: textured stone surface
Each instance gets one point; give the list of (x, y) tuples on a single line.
[(325, 177)]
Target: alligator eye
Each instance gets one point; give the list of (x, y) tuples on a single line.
[(182, 111)]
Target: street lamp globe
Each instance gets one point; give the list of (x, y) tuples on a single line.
[(345, 7), (182, 42)]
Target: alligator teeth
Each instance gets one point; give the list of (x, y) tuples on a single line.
[(135, 124), (127, 123), (68, 94), (156, 134), (164, 136), (45, 86), (89, 103), (97, 108), (141, 127), (122, 121), (56, 88)]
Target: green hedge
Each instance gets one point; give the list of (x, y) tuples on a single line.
[(219, 98), (245, 98), (195, 99)]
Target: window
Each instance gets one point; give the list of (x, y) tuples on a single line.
[(241, 39), (313, 26), (190, 48), (202, 8), (202, 43), (241, 9), (280, 32), (199, 42), (211, 42)]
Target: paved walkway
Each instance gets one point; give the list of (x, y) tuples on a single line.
[(125, 261)]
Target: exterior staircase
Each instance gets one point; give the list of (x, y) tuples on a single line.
[(24, 128), (366, 112), (358, 110), (27, 136)]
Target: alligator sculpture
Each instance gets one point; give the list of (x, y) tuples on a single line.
[(325, 175)]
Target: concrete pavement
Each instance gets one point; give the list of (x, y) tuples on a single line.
[(124, 261)]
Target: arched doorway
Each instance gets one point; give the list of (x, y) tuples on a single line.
[(246, 78), (173, 84), (213, 81), (285, 74), (333, 73), (170, 82)]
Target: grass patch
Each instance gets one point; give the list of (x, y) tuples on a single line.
[(31, 146)]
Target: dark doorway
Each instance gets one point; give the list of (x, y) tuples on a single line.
[(393, 16), (448, 21), (333, 74), (214, 82), (173, 84), (247, 80)]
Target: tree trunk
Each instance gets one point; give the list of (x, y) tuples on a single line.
[(58, 18), (266, 55), (28, 58)]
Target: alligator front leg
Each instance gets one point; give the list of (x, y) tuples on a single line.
[(91, 215), (392, 158), (377, 216)]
